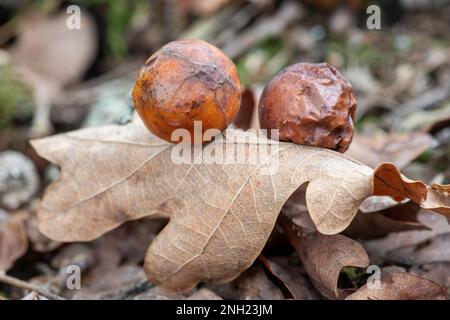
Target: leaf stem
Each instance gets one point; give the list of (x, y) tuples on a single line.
[(27, 286)]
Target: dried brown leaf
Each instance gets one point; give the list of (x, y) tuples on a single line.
[(402, 217), (324, 256), (399, 149), (292, 277), (296, 210), (82, 255), (372, 225), (34, 296), (204, 294), (156, 293), (13, 240), (438, 272), (49, 49), (220, 215), (218, 212), (388, 181), (434, 250), (380, 248), (401, 286), (253, 284), (124, 245), (113, 284), (38, 241)]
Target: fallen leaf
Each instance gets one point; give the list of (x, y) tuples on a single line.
[(427, 119), (81, 254), (438, 272), (401, 286), (106, 170), (112, 254), (38, 241), (49, 49), (397, 148), (221, 215), (388, 181), (378, 249), (13, 240), (156, 293), (130, 241), (33, 296), (48, 55), (374, 225), (204, 294), (292, 277), (112, 285), (433, 250), (378, 203), (253, 284), (296, 210), (402, 217), (324, 256)]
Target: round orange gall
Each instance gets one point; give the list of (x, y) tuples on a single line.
[(187, 81), (310, 104)]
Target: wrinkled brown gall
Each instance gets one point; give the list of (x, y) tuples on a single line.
[(311, 104), (187, 81)]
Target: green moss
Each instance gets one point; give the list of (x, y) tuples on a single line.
[(267, 48), (425, 156), (15, 98), (352, 277), (119, 14), (368, 120), (360, 53)]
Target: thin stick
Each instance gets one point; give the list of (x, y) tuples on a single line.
[(27, 286)]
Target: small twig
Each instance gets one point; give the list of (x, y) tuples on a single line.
[(267, 27), (42, 125), (27, 286), (8, 30), (425, 101), (428, 99), (134, 290)]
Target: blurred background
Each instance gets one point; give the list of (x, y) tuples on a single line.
[(54, 79)]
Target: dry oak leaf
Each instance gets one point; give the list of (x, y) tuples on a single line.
[(432, 250), (324, 256), (291, 277), (401, 286), (436, 224), (388, 181), (400, 149), (13, 239), (438, 272), (221, 215), (252, 284), (45, 47), (402, 217)]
